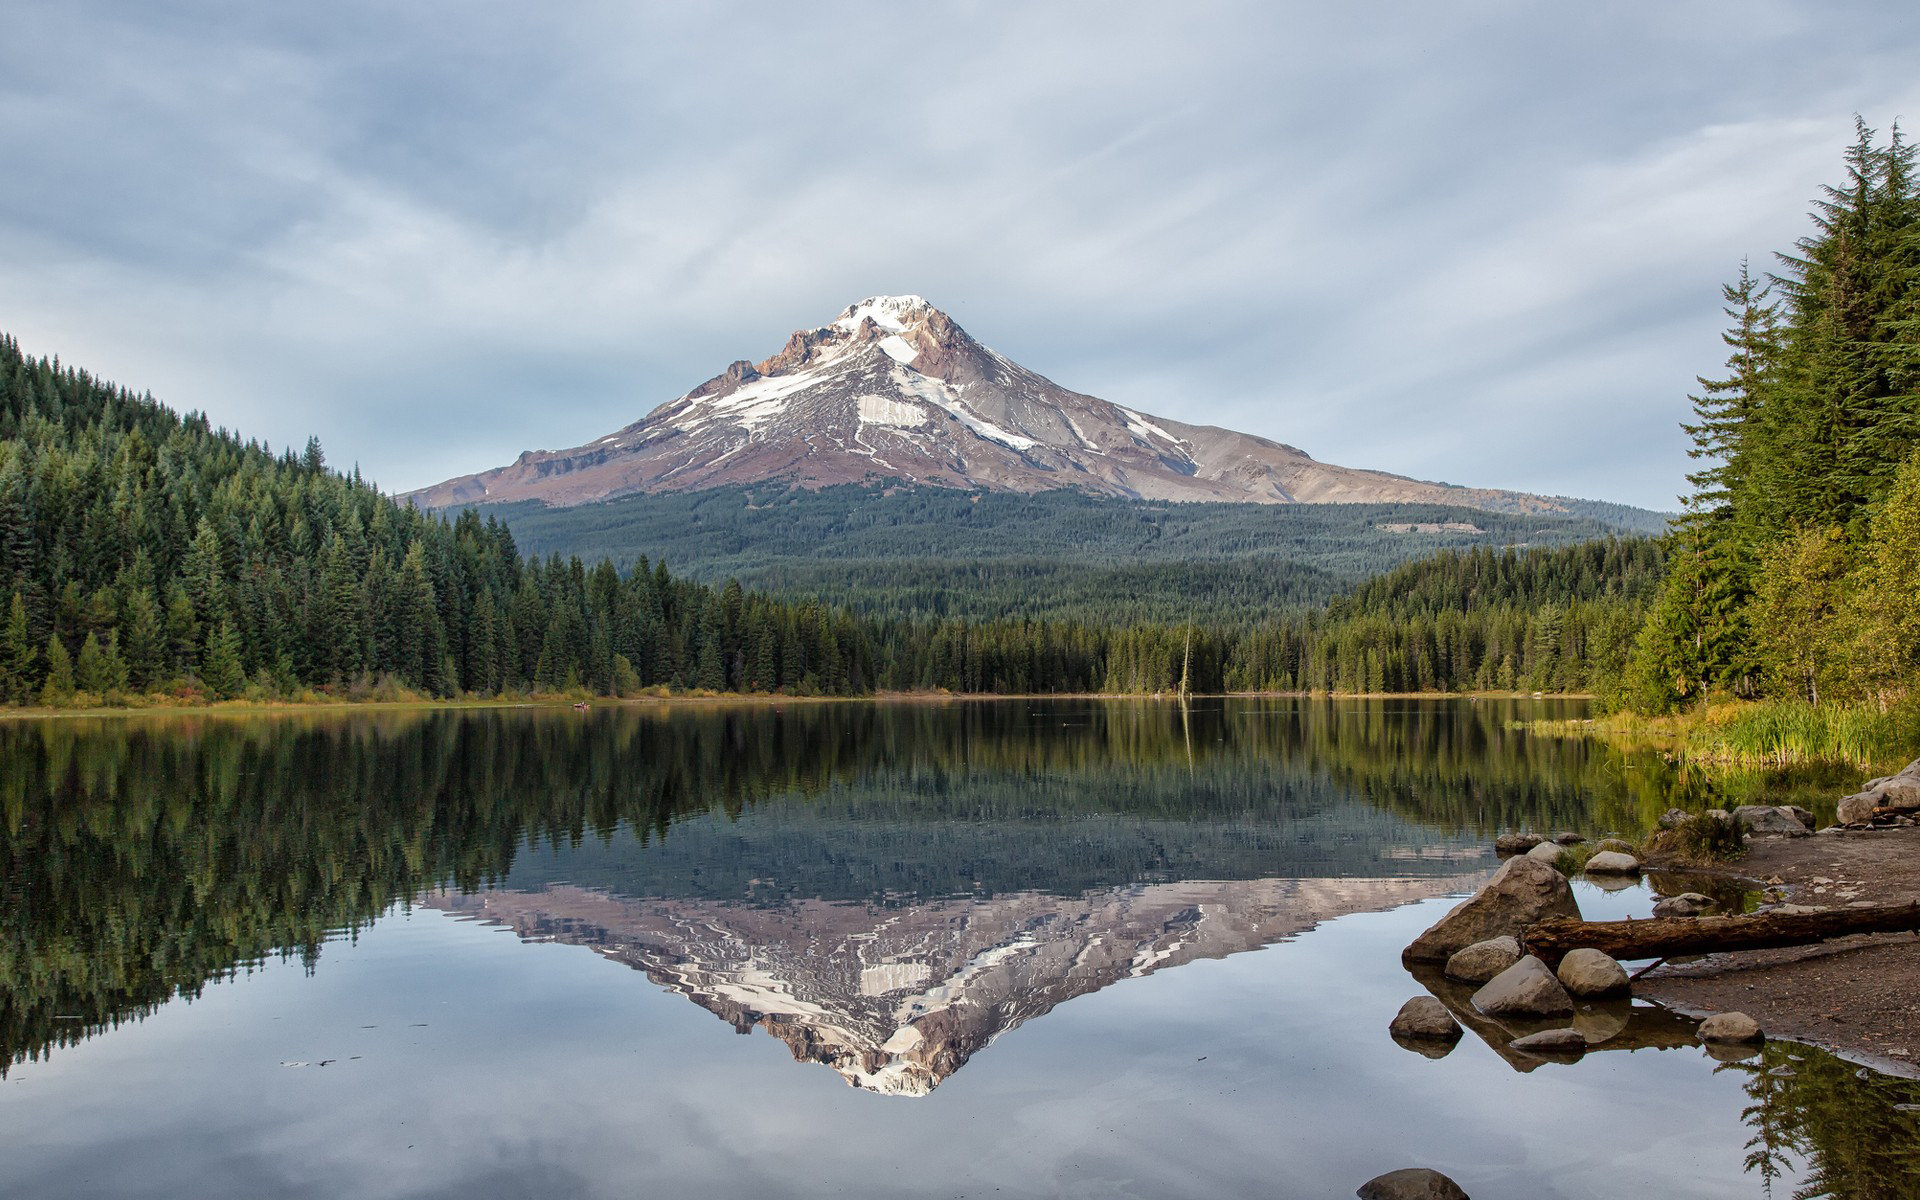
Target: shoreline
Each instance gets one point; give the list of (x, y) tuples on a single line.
[(293, 707), (1852, 996)]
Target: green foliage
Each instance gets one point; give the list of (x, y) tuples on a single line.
[(1795, 570)]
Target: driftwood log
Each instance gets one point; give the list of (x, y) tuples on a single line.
[(1665, 937)]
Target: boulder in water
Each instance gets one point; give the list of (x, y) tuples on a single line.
[(1424, 1017), (1520, 893), (1612, 862), (1525, 989), (1731, 1027), (1483, 960), (1589, 972)]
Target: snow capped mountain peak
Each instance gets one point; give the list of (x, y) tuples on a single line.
[(888, 312), (894, 389)]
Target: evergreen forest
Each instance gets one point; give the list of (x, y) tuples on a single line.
[(1794, 573)]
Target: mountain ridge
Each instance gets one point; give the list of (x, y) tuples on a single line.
[(893, 388)]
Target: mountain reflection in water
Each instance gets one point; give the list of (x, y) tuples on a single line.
[(141, 858), (897, 998)]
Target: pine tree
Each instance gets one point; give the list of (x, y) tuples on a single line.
[(220, 669), (17, 655), (58, 688)]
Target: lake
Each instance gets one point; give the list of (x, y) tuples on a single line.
[(1003, 948)]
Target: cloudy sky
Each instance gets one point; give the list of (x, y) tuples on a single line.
[(1478, 242)]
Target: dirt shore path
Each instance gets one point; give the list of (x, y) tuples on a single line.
[(1857, 996)]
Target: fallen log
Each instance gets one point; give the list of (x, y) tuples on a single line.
[(1666, 937)]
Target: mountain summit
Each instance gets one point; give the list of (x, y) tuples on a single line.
[(892, 388)]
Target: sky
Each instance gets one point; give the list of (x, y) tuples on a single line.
[(1473, 242)]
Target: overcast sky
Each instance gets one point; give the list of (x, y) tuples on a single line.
[(1478, 242)]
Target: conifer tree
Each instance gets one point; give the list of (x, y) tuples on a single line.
[(58, 688), (18, 655), (220, 668)]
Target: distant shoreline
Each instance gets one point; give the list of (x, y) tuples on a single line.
[(244, 708)]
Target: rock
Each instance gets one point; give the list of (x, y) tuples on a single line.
[(1806, 817), (1618, 846), (1516, 843), (1674, 818), (1525, 989), (1686, 904), (1610, 862), (1901, 792), (1588, 972), (1796, 910), (1716, 814), (1551, 1041), (1567, 838), (1483, 960), (1731, 1027), (1857, 809), (1910, 771), (1770, 819), (1413, 1183), (1547, 852), (1424, 1017), (1520, 893)]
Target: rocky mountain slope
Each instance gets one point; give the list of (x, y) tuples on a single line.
[(893, 389)]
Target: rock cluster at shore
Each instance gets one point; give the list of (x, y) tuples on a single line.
[(1889, 799)]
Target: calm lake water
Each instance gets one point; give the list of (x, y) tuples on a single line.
[(1015, 948)]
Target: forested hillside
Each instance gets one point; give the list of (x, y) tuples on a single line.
[(1796, 569), (145, 552), (927, 552), (148, 556)]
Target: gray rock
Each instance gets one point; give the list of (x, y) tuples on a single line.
[(1857, 809), (1910, 771), (1618, 846), (1610, 862), (1588, 972), (1516, 843), (1901, 792), (1483, 960), (1770, 820), (1520, 893), (1568, 838), (1674, 818), (1525, 989), (1424, 1017), (1806, 816), (1731, 1027), (1551, 1041), (1686, 904), (1547, 852), (1716, 814), (1413, 1183)]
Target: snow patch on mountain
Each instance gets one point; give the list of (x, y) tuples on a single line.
[(884, 410)]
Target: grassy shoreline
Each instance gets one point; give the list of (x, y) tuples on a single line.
[(1766, 733)]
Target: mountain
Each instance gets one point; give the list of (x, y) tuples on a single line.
[(897, 998), (893, 389)]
